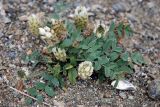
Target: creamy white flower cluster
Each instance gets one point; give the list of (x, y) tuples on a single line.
[(85, 69), (45, 32), (60, 54)]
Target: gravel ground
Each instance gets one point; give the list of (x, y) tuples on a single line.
[(15, 40)]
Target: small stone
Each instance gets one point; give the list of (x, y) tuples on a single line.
[(130, 97), (6, 20), (150, 4), (1, 34), (154, 89), (23, 18), (132, 18), (123, 95), (121, 7)]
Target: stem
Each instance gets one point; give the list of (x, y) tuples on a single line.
[(28, 96)]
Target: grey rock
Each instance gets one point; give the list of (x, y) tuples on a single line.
[(130, 97), (6, 20), (150, 4), (132, 18), (154, 89), (1, 34), (121, 7), (123, 95)]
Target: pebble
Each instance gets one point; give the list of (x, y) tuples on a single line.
[(11, 54), (132, 18), (154, 89), (123, 95), (23, 18), (121, 7), (1, 34), (130, 97)]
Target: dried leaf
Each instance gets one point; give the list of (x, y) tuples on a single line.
[(20, 85), (123, 85)]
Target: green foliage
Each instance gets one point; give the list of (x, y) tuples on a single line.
[(40, 85), (109, 58), (39, 98), (137, 58), (49, 91), (32, 91), (72, 75)]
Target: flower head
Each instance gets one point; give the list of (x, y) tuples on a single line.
[(100, 29), (34, 23), (85, 69), (81, 17), (59, 29), (60, 54)]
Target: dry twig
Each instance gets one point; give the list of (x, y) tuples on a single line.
[(28, 96)]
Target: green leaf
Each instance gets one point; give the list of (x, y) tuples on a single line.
[(84, 46), (49, 91), (39, 98), (97, 66), (118, 49), (32, 91), (137, 58), (112, 27), (73, 60), (119, 29), (94, 48), (69, 26), (68, 66), (46, 76), (107, 45), (107, 71), (128, 31), (55, 82), (56, 70), (103, 60), (125, 69), (92, 43), (93, 56), (67, 43), (28, 101), (40, 86), (114, 56), (125, 56), (72, 75)]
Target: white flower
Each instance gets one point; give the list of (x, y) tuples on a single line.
[(45, 32), (42, 31), (85, 69), (100, 29), (60, 54), (53, 21), (47, 28), (81, 11)]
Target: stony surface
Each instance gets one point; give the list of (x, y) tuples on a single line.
[(154, 89), (15, 40)]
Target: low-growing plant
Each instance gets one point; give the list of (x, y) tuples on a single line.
[(74, 50)]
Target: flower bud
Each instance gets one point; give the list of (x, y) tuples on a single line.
[(34, 23), (100, 29), (60, 54), (81, 17), (59, 29), (85, 69)]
